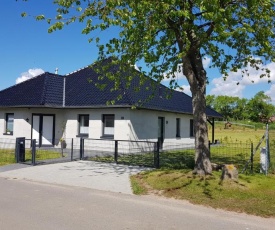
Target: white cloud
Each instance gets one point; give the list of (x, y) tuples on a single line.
[(186, 89), (228, 87), (29, 74), (235, 83)]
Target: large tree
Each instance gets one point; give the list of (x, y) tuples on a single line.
[(236, 34)]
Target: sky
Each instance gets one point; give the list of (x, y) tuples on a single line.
[(27, 50)]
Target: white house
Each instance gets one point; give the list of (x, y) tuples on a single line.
[(50, 107)]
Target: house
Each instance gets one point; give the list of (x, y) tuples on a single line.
[(50, 107)]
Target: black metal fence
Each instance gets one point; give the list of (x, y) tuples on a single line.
[(142, 153), (62, 151)]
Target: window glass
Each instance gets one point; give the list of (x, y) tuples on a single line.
[(83, 124), (108, 124), (191, 128), (9, 122), (177, 127)]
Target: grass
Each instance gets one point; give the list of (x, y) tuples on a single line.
[(252, 194), (237, 134), (7, 156)]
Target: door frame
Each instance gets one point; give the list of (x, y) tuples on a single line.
[(40, 131)]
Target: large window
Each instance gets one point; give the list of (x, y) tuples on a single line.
[(177, 127), (191, 128), (83, 124), (9, 123), (108, 125)]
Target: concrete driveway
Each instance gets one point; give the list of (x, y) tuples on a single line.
[(88, 174)]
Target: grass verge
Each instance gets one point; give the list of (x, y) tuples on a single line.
[(251, 194)]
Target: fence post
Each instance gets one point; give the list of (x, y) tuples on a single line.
[(156, 155), (267, 143), (20, 149), (116, 151), (33, 144), (72, 149), (209, 147), (251, 158), (81, 148)]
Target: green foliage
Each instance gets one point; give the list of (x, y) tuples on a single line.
[(161, 34), (257, 109)]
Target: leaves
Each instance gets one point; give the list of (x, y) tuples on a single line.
[(24, 14), (40, 17), (235, 108)]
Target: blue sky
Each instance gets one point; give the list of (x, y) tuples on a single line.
[(27, 49)]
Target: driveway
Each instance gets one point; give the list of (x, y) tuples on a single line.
[(87, 174)]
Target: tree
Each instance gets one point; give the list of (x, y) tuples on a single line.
[(232, 108), (236, 34), (240, 112), (259, 108)]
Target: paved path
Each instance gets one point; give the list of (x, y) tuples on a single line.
[(87, 174), (13, 167)]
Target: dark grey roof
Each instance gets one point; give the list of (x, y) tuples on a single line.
[(82, 91), (43, 90)]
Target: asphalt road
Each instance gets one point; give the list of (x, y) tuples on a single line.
[(28, 205)]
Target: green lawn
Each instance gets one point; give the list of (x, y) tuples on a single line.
[(252, 194), (7, 156)]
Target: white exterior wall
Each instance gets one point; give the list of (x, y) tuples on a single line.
[(129, 124), (95, 123), (144, 126), (21, 127)]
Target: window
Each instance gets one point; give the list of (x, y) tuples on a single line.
[(108, 125), (177, 127), (9, 123), (83, 125), (191, 128)]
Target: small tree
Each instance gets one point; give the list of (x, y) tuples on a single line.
[(236, 34)]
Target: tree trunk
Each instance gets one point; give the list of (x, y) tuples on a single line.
[(196, 76), (202, 153)]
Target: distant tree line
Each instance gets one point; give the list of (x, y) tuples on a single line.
[(256, 109)]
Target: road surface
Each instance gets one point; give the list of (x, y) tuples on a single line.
[(28, 205)]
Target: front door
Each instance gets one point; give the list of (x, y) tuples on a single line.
[(161, 131), (43, 129)]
